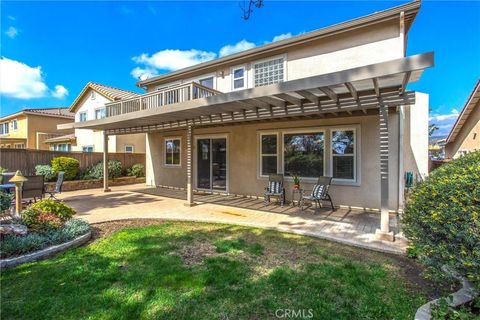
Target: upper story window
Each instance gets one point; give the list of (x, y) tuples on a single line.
[(100, 113), (82, 116), (238, 78), (207, 82), (4, 128), (268, 72), (87, 149), (129, 148), (93, 95), (14, 125)]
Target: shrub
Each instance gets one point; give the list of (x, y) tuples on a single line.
[(46, 215), (46, 171), (442, 219), (114, 170), (60, 209), (5, 201), (2, 170), (16, 245), (137, 170), (69, 165)]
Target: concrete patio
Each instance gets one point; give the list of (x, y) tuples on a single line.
[(353, 227)]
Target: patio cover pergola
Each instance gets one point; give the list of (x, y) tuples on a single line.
[(371, 89)]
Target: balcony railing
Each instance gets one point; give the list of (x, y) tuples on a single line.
[(177, 94)]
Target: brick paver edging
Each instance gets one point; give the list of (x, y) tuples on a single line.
[(12, 262)]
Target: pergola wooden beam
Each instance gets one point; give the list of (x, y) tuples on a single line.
[(330, 93)]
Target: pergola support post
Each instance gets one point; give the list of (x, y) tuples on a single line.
[(105, 162), (190, 201), (384, 232)]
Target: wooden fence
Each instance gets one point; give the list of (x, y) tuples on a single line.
[(26, 159)]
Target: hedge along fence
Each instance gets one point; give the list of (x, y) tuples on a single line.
[(26, 159)]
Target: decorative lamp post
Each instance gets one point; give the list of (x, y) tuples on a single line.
[(18, 179)]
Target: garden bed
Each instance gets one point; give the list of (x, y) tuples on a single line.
[(94, 183)]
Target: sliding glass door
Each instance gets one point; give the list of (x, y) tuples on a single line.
[(212, 164)]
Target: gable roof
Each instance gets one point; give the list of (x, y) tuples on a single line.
[(472, 101), (48, 112), (108, 92), (410, 11)]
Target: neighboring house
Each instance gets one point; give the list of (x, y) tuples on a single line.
[(465, 134), (90, 105), (30, 128), (330, 102)]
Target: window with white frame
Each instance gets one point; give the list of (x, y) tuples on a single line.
[(82, 116), (303, 154), (14, 125), (100, 113), (172, 152), (207, 82), (87, 149), (93, 95), (268, 153), (239, 80), (19, 146), (129, 148), (64, 147), (343, 154), (268, 72), (4, 128)]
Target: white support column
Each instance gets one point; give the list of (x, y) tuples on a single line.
[(105, 162), (190, 201), (384, 232)]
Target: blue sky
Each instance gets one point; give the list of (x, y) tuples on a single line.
[(50, 50)]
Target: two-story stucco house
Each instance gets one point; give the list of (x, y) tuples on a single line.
[(331, 102), (30, 128), (90, 105), (465, 134)]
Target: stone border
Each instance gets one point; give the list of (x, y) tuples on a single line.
[(462, 296), (41, 254)]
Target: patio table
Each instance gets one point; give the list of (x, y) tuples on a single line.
[(7, 186)]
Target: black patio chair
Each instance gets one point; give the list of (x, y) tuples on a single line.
[(275, 188), (33, 188), (58, 186), (319, 193)]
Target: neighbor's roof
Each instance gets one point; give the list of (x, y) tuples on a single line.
[(410, 11), (472, 102), (48, 112), (108, 92), (67, 137)]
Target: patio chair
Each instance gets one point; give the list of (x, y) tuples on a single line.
[(275, 188), (319, 193), (58, 186), (33, 188)]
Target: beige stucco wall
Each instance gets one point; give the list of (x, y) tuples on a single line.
[(93, 138), (416, 136), (243, 167), (359, 47), (468, 139), (42, 124)]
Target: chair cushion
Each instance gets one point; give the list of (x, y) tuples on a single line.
[(318, 191), (274, 187)]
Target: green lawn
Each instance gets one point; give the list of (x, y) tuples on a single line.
[(209, 271)]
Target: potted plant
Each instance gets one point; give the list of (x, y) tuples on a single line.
[(296, 182)]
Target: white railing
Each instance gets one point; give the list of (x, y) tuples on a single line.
[(177, 94)]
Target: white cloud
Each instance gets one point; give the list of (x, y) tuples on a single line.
[(60, 92), (12, 18), (11, 32), (143, 73), (171, 60), (444, 122), (282, 36), (21, 81), (238, 47)]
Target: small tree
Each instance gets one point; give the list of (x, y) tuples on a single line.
[(442, 219)]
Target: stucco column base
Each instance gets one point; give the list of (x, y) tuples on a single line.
[(386, 236), (187, 204), (107, 190)]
